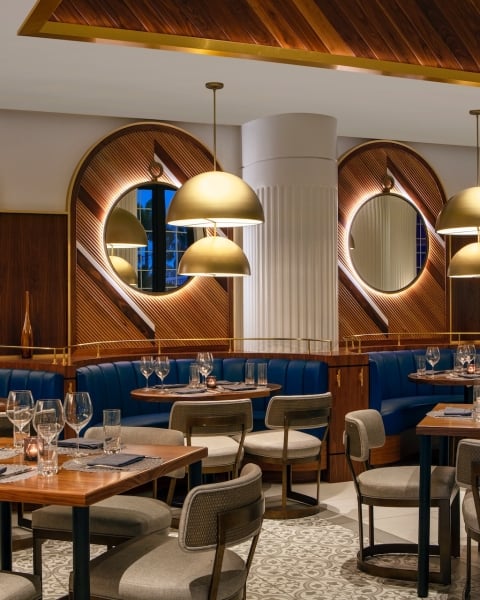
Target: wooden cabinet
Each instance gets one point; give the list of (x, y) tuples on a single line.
[(348, 384)]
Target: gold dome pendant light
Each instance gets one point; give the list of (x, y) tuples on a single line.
[(215, 197), (461, 214), (466, 262)]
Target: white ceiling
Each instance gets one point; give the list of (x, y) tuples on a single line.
[(110, 80)]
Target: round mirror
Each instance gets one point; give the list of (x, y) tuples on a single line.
[(142, 249), (387, 242)]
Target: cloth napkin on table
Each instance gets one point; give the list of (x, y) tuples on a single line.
[(115, 460), (86, 444), (452, 411), (186, 390), (240, 387)]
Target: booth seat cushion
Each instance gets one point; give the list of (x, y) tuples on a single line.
[(401, 402), (110, 384), (42, 384)]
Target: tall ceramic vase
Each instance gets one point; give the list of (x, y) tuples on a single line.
[(26, 338)]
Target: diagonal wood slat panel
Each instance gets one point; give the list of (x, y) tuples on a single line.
[(422, 307), (431, 39), (102, 306)]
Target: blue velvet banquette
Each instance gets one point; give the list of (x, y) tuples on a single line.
[(110, 384)]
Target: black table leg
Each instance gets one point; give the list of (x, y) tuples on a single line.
[(424, 516), (195, 473), (6, 536), (81, 552)]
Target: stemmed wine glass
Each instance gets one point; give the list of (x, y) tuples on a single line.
[(162, 368), (19, 410), (147, 367), (433, 356), (78, 412), (205, 364)]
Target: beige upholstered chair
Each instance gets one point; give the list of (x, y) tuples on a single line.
[(468, 476), (212, 423), (115, 519), (19, 586), (398, 486), (199, 562), (285, 445)]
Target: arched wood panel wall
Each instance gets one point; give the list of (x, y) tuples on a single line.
[(423, 306), (102, 306)]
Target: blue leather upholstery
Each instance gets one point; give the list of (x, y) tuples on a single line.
[(110, 384), (42, 384), (401, 402)]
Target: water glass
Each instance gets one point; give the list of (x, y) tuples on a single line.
[(262, 374), (421, 363), (47, 462), (457, 362), (250, 373), (111, 430), (194, 376)]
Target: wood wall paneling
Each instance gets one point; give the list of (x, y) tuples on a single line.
[(34, 251)]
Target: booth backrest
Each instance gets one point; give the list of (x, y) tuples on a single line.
[(42, 384), (110, 384)]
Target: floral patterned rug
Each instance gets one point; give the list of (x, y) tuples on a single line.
[(297, 559)]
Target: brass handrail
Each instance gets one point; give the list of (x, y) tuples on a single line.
[(353, 343)]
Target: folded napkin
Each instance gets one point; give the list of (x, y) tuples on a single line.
[(170, 386), (240, 387), (3, 469), (452, 411), (187, 390), (91, 443), (115, 460)]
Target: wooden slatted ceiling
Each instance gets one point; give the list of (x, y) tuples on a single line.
[(418, 38)]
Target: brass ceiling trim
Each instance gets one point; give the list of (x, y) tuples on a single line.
[(37, 25)]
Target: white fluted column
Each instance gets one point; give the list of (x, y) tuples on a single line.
[(290, 160)]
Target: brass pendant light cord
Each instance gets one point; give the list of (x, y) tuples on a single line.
[(476, 112), (214, 86)]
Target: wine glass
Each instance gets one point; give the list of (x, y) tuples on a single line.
[(19, 410), (205, 364), (78, 412), (470, 355), (162, 368), (48, 418), (147, 367), (433, 356)]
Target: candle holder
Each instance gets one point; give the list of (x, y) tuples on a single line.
[(30, 448), (211, 382)]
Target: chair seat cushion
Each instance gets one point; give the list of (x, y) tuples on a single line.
[(470, 516), (222, 449), (270, 444), (121, 515), (392, 483), (16, 586), (156, 568)]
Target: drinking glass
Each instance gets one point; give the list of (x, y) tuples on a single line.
[(19, 410), (162, 368), (433, 356), (205, 364), (78, 412), (147, 367), (48, 421)]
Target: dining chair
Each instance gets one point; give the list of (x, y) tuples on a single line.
[(116, 519), (214, 423), (286, 443), (397, 486), (468, 477), (19, 586), (198, 563)]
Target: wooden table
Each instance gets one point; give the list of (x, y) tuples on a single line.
[(154, 394), (81, 489), (448, 378), (445, 427)]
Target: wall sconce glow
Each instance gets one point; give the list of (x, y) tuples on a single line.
[(214, 256), (124, 230)]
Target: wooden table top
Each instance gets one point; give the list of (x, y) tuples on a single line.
[(445, 378), (155, 394), (449, 426), (83, 488)]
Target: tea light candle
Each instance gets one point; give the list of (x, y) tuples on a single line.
[(211, 381), (30, 448)]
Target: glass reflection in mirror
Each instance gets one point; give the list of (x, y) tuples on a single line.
[(388, 243), (151, 267)]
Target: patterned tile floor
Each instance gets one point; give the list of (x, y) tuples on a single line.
[(303, 559)]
